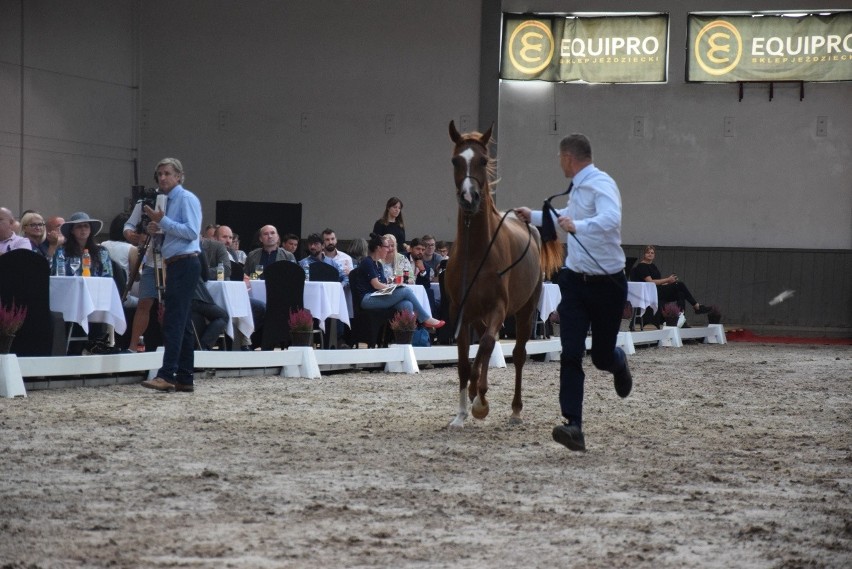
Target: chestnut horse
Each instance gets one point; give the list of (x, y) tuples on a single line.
[(495, 270)]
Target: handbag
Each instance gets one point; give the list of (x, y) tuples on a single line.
[(421, 338)]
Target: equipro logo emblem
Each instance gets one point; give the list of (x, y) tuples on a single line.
[(718, 47), (531, 47)]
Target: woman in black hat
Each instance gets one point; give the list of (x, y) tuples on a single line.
[(79, 231)]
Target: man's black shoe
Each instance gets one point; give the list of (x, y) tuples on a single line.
[(569, 436), (623, 381)]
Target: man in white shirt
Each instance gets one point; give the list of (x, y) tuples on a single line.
[(9, 240), (341, 259), (592, 282)]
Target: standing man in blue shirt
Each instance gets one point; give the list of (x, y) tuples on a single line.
[(180, 225), (592, 283)]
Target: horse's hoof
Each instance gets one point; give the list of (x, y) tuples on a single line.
[(456, 425), (513, 420), (478, 409)]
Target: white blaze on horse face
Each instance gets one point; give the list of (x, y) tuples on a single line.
[(467, 186)]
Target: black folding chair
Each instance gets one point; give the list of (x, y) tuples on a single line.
[(285, 291), (25, 279)]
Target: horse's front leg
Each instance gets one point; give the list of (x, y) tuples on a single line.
[(488, 339), (463, 344)]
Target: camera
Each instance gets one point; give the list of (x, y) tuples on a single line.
[(145, 196)]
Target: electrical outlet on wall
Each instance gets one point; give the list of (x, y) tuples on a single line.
[(639, 126), (305, 122), (465, 124), (390, 124), (728, 127), (822, 126)]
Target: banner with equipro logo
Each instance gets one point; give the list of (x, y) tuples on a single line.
[(622, 49), (764, 47)]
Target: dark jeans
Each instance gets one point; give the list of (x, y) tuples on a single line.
[(600, 303), (210, 321), (675, 292), (178, 337)]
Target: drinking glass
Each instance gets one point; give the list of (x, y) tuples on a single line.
[(259, 270), (74, 263)]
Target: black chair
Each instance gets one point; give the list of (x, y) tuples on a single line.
[(445, 334), (368, 326), (25, 279), (323, 272), (285, 291), (237, 271)]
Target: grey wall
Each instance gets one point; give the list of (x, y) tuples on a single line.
[(67, 115), (773, 184), (228, 92)]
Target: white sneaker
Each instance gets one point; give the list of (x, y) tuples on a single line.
[(681, 320)]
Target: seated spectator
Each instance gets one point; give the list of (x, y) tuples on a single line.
[(9, 240), (395, 263), (373, 281), (208, 319), (443, 249), (117, 246), (34, 228), (422, 272), (357, 250), (316, 254), (215, 253), (430, 257), (291, 243), (209, 231), (236, 253), (329, 246), (669, 289), (258, 308), (269, 251), (391, 222), (79, 232)]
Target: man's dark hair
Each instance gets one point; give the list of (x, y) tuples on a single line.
[(291, 236), (327, 231), (415, 242), (314, 238), (116, 228)]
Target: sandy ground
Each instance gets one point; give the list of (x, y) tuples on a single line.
[(724, 456)]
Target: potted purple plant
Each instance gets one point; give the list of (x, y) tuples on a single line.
[(671, 311), (403, 324), (301, 327), (11, 320)]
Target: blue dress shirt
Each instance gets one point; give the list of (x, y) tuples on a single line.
[(595, 206), (181, 224)]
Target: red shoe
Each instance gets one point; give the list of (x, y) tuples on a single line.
[(438, 324)]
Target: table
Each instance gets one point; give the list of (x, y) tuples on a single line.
[(642, 295), (324, 299), (233, 296), (87, 299), (547, 302)]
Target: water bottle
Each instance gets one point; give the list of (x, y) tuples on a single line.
[(59, 262), (307, 273), (87, 263), (140, 347), (106, 263), (220, 272)]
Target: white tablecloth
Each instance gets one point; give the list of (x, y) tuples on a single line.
[(234, 298), (547, 303), (87, 299), (323, 299), (549, 300), (642, 295)]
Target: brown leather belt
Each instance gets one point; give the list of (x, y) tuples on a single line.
[(171, 260)]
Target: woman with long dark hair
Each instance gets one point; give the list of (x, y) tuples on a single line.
[(391, 222), (79, 232)]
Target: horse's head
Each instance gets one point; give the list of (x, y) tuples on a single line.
[(472, 166)]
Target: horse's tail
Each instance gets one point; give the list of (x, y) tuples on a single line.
[(551, 257)]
